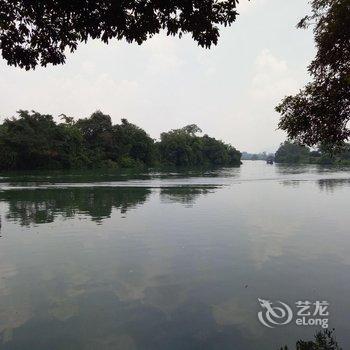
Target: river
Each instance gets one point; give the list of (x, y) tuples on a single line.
[(174, 260)]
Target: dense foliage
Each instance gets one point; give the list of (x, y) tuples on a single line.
[(320, 113), (36, 141), (324, 340), (41, 32), (293, 153), (182, 147)]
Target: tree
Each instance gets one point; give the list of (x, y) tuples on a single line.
[(125, 143), (192, 129), (181, 147), (133, 145), (40, 32), (96, 130), (291, 152), (320, 113), (294, 153), (29, 141), (324, 340), (36, 141)]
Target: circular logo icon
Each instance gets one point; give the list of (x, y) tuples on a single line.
[(274, 315)]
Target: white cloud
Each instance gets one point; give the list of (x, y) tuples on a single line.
[(272, 78)]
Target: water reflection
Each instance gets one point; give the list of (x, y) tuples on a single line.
[(110, 293), (295, 169), (328, 185), (40, 206), (44, 205), (43, 178), (291, 183), (333, 184), (183, 269), (125, 326), (183, 195)]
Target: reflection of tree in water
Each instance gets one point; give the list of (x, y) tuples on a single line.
[(294, 169), (43, 205), (328, 185), (184, 195), (291, 183), (332, 184)]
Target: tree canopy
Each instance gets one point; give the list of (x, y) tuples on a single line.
[(39, 32), (294, 153), (320, 113), (36, 141), (182, 147), (324, 340)]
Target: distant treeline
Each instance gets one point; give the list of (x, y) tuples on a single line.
[(36, 141), (293, 153), (257, 156)]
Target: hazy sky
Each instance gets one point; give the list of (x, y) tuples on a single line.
[(229, 91)]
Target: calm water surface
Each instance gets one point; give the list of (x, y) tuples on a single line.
[(172, 260)]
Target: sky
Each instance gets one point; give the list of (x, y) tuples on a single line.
[(229, 91)]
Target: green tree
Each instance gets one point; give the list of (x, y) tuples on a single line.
[(182, 147), (133, 145), (97, 137), (320, 113), (292, 152), (324, 340), (34, 140), (70, 147), (41, 32)]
